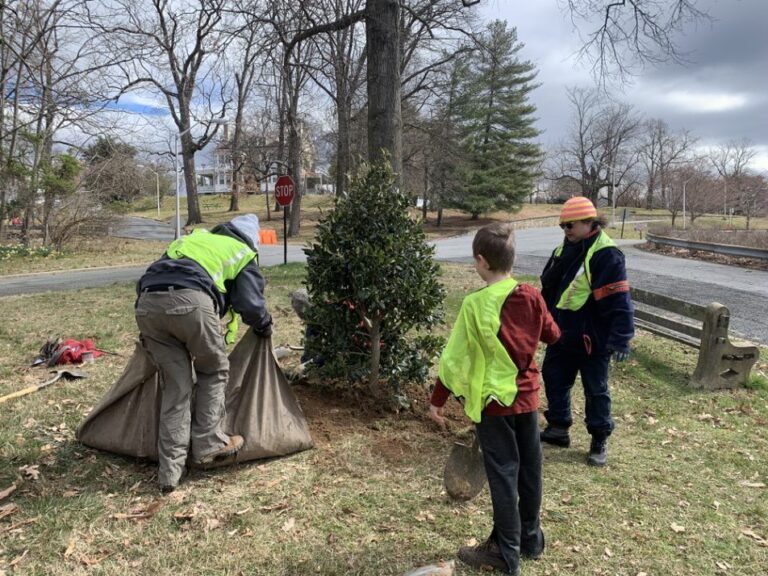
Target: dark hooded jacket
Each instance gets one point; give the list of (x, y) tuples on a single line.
[(606, 321), (245, 294)]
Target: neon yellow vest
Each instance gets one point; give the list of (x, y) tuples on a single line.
[(475, 365), (222, 257), (578, 291)]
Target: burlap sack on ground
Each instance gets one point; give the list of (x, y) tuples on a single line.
[(261, 407)]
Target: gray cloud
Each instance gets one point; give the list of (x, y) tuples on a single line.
[(719, 94)]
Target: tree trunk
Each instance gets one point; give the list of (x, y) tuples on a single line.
[(294, 161), (267, 201), (382, 33), (190, 180), (343, 146), (373, 379)]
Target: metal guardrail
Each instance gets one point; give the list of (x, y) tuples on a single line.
[(728, 249)]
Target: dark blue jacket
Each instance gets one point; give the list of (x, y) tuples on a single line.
[(245, 293), (606, 321)]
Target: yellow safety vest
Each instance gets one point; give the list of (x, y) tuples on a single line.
[(474, 365), (580, 288), (222, 257)]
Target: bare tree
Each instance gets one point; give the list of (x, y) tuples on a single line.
[(54, 76), (247, 50), (339, 72), (175, 49), (599, 150), (751, 191), (631, 32), (731, 161), (660, 150)]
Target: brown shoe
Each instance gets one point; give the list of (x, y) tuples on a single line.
[(229, 449), (485, 556)]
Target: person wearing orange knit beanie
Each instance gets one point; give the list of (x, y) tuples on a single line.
[(585, 286)]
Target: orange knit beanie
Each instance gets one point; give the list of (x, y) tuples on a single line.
[(577, 208)]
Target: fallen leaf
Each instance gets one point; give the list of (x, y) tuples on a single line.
[(18, 558), (94, 561), (755, 536), (17, 525), (70, 547), (676, 528), (184, 515), (275, 507), (723, 565), (608, 552), (716, 504), (140, 513), (289, 524), (749, 484), (8, 509), (652, 420), (30, 472), (566, 498), (212, 524), (244, 511), (7, 492)]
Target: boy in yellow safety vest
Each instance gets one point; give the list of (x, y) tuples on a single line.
[(489, 363)]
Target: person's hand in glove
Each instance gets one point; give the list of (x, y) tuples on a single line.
[(619, 356), (265, 331)]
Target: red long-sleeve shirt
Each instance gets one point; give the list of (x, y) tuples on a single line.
[(525, 321)]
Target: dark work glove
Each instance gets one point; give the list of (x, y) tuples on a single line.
[(264, 332), (620, 356)]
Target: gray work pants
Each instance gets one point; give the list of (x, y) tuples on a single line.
[(180, 328)]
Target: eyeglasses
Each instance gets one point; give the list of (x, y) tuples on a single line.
[(566, 225)]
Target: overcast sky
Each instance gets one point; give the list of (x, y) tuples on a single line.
[(720, 94)]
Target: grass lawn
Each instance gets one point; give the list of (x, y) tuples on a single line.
[(684, 493)]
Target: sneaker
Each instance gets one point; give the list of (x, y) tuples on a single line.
[(556, 435), (485, 556), (235, 443), (598, 451), (533, 552)]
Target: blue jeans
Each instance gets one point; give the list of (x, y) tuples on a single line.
[(512, 456), (559, 371)]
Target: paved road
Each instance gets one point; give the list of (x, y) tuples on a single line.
[(745, 292), (143, 229)]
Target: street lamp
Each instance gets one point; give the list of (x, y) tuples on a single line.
[(217, 121)]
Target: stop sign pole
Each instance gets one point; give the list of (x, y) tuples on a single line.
[(284, 192)]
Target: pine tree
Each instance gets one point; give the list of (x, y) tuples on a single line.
[(498, 126)]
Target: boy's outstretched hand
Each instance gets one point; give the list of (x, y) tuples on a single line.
[(436, 414)]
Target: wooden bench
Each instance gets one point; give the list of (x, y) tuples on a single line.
[(721, 364)]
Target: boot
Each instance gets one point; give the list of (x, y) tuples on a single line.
[(230, 448), (486, 556), (556, 435), (533, 551), (598, 451)]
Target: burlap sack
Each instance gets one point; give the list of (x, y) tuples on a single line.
[(261, 407)]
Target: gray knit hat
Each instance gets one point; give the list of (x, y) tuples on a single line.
[(248, 226)]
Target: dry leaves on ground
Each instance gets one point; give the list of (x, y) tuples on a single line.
[(140, 513)]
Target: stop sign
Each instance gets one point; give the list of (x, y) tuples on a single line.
[(284, 188)]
